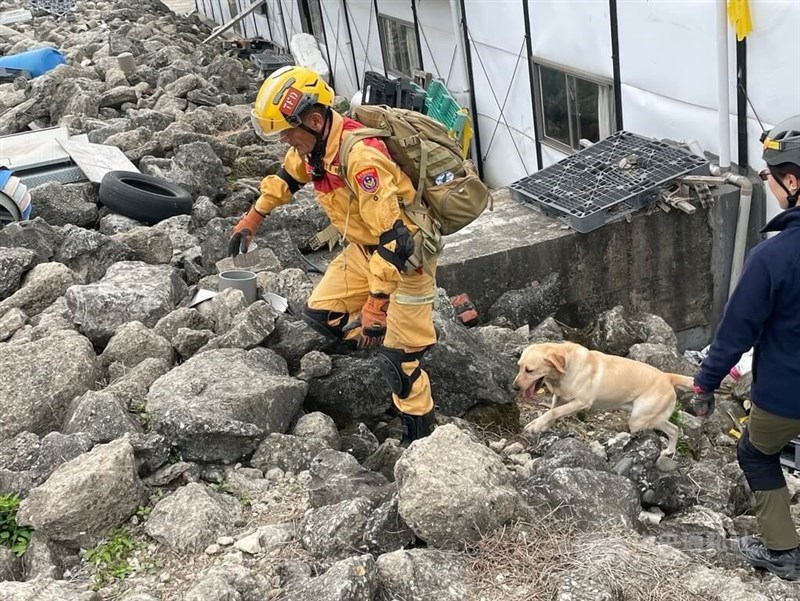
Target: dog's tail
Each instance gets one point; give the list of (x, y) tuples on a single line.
[(679, 381)]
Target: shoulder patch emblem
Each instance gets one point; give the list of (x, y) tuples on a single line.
[(368, 179)]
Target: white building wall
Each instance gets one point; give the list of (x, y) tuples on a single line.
[(502, 90)]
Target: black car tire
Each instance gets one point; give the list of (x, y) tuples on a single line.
[(143, 197)]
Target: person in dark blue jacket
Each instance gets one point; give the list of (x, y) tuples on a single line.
[(763, 313)]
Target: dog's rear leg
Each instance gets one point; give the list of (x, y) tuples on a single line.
[(665, 461), (640, 420)]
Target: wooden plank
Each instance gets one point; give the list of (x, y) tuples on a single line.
[(95, 160)]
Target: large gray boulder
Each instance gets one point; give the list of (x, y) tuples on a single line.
[(182, 318), (39, 379), (354, 390), (14, 262), (451, 489), (198, 169), (318, 425), (424, 574), (286, 452), (654, 330), (62, 204), (530, 305), (248, 328), (41, 286), (569, 452), (149, 245), (386, 531), (293, 339), (178, 229), (134, 342), (592, 499), (613, 333), (217, 405), (12, 322), (101, 416), (45, 589), (192, 518), (86, 496), (353, 579), (130, 291), (336, 531), (36, 235), (89, 253), (26, 461), (223, 583), (337, 476), (663, 357), (464, 374)]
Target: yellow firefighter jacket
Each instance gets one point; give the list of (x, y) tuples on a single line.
[(361, 208)]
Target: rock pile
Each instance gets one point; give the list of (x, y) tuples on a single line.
[(241, 441)]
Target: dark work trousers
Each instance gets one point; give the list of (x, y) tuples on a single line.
[(759, 452)]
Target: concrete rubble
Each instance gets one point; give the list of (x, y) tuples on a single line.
[(242, 440)]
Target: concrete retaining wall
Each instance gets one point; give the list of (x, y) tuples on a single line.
[(671, 264)]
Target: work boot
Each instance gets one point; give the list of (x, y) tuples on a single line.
[(416, 427), (785, 564)]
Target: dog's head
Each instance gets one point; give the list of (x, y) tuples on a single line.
[(540, 361)]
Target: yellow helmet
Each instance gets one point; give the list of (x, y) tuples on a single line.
[(284, 96)]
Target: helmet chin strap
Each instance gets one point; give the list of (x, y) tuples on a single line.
[(317, 154)]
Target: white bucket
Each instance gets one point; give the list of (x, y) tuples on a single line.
[(241, 280)]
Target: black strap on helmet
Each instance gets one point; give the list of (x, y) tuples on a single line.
[(317, 156)]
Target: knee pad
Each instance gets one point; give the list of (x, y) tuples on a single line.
[(328, 323), (391, 363), (762, 472)]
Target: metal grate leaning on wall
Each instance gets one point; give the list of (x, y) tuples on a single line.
[(607, 181)]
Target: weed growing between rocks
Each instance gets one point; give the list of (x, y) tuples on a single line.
[(114, 558), (12, 535)]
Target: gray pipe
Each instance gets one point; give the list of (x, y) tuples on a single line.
[(742, 221)]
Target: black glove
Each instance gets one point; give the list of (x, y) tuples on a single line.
[(243, 232), (702, 403)]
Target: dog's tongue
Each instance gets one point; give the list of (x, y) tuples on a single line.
[(528, 392)]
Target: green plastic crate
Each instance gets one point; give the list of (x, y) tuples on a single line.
[(441, 105)]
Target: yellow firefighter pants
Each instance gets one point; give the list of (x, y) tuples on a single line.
[(409, 324)]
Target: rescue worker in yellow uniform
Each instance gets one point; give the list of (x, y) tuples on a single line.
[(369, 293)]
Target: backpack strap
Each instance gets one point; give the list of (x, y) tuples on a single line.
[(353, 138), (417, 212)]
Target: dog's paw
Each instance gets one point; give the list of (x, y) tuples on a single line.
[(536, 426)]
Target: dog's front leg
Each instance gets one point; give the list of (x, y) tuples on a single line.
[(543, 422)]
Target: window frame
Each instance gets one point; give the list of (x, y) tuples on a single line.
[(570, 75), (413, 58), (307, 18)]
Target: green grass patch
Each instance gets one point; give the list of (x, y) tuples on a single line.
[(112, 557), (12, 535)]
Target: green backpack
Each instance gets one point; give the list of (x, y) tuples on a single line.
[(450, 195)]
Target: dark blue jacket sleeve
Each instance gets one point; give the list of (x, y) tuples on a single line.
[(748, 308)]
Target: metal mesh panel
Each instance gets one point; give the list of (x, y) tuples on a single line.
[(606, 181), (54, 7)]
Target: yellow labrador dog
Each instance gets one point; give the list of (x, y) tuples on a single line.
[(581, 379)]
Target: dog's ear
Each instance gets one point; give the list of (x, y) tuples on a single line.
[(557, 360)]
